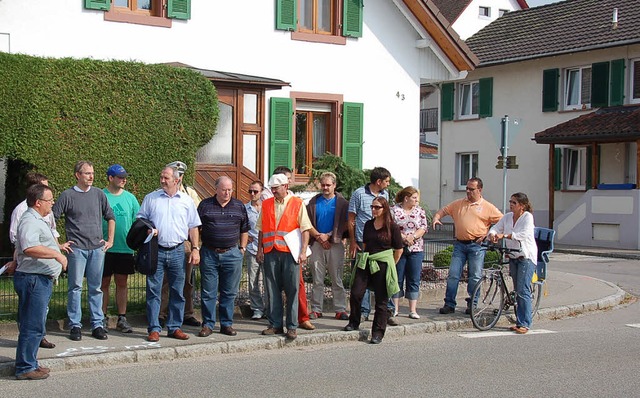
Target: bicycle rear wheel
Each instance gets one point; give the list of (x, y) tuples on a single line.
[(536, 295), (489, 301)]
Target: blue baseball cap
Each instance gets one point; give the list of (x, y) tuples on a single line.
[(116, 171)]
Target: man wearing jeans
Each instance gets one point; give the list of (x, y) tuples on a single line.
[(176, 219), (225, 228), (472, 217), (84, 207), (39, 261)]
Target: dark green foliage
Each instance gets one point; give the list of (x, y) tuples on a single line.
[(442, 259), (54, 112), (349, 178)]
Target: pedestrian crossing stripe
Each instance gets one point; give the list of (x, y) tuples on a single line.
[(492, 333), (633, 325)]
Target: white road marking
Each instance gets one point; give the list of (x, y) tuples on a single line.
[(633, 325), (476, 335)]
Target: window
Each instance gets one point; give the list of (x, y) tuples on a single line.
[(467, 167), (320, 123), (575, 171), (468, 100), (501, 12), (635, 81), (577, 88), (325, 21), (484, 12), (143, 12)]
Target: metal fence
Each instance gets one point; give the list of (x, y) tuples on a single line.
[(435, 241)]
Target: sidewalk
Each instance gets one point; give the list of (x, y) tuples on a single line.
[(566, 295)]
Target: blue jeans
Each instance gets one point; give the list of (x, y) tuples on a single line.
[(409, 270), (89, 263), (521, 271), (172, 263), (220, 272), (281, 273), (463, 253), (34, 292)]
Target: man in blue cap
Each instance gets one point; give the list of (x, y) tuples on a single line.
[(119, 260)]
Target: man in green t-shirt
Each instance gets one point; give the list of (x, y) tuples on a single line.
[(119, 260)]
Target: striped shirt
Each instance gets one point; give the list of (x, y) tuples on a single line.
[(222, 226)]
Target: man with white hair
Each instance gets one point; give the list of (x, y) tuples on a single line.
[(189, 318), (280, 215)]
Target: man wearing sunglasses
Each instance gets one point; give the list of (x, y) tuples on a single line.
[(472, 217)]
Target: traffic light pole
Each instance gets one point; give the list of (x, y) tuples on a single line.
[(504, 148)]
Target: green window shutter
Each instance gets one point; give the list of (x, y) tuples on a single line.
[(589, 176), (179, 9), (280, 132), (557, 172), (550, 79), (352, 18), (352, 128), (446, 102), (599, 84), (286, 14), (486, 97), (97, 4), (617, 82)]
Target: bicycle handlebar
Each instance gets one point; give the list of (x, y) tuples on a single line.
[(500, 246)]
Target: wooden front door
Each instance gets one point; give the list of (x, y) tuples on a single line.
[(236, 148)]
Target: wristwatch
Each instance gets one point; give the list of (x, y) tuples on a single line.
[(195, 247), (244, 249)]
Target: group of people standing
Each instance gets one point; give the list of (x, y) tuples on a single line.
[(272, 234)]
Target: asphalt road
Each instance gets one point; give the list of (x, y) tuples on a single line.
[(593, 355)]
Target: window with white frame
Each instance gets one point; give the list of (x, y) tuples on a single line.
[(577, 88), (575, 168), (635, 81), (484, 12), (468, 100), (467, 167)]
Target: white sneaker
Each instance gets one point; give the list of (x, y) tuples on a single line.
[(256, 315), (414, 315)]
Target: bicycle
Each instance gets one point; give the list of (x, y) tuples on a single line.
[(492, 296)]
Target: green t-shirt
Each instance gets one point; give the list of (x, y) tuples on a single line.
[(125, 207)]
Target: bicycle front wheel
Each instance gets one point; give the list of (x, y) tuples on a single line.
[(488, 303), (536, 295)]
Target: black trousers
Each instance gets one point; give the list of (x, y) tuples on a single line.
[(378, 284)]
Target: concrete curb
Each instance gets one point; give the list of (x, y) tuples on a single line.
[(147, 353), (609, 254)]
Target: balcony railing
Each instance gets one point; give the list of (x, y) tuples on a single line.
[(428, 120)]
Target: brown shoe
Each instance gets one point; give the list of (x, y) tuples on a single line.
[(33, 375), (228, 330), (178, 334), (271, 331), (291, 334), (307, 325), (521, 330), (44, 370), (153, 337), (44, 343), (205, 332)]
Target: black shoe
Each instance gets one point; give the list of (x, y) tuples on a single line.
[(468, 311), (75, 334), (376, 340), (447, 310), (191, 321), (99, 333), (350, 328), (162, 322)]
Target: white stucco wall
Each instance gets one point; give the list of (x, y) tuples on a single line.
[(517, 92), (240, 36), (469, 21)]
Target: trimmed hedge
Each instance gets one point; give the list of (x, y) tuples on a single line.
[(54, 112), (442, 259)]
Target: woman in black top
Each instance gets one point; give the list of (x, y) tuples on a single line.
[(380, 234)]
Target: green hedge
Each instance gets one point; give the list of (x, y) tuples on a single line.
[(54, 112), (442, 259)]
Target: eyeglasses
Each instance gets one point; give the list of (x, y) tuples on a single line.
[(47, 200), (376, 207), (87, 173), (253, 191)]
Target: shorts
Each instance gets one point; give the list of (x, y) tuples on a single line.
[(119, 263)]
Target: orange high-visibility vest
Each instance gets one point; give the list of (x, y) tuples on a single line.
[(273, 236)]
